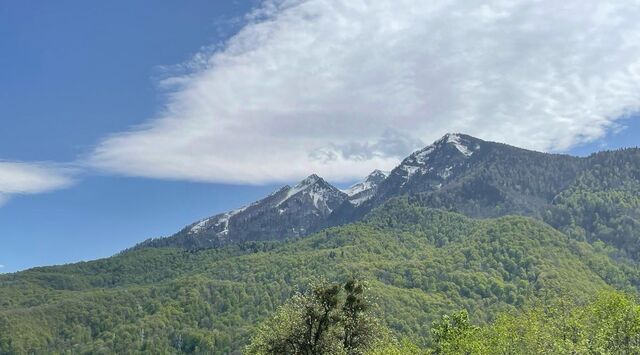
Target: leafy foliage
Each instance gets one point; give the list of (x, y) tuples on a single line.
[(610, 324), (449, 331), (320, 321)]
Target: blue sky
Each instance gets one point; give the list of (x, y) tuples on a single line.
[(73, 71), (124, 120)]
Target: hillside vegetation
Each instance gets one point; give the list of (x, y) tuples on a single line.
[(609, 323), (419, 262)]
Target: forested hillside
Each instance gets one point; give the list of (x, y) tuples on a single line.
[(463, 224), (420, 263), (603, 204), (608, 323)]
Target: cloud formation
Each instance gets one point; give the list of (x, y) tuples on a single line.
[(342, 87), (18, 178)]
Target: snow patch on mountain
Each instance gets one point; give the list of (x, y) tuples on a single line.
[(200, 225), (317, 197), (302, 186), (222, 219), (323, 196), (312, 196), (456, 140), (422, 156), (412, 170), (432, 159), (364, 190), (446, 172), (358, 201), (371, 181), (357, 188), (225, 220)]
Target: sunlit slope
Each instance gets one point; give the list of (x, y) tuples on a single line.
[(420, 263)]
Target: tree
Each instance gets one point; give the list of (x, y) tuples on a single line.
[(449, 332), (326, 319)]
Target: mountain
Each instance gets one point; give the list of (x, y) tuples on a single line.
[(365, 190), (457, 173), (420, 263), (475, 177), (289, 212)]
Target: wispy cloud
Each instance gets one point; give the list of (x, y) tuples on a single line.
[(31, 178), (342, 87)]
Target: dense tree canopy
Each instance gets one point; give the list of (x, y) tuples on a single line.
[(420, 263), (610, 324)]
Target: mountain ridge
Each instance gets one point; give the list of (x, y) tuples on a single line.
[(457, 172)]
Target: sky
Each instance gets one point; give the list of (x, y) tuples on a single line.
[(125, 120)]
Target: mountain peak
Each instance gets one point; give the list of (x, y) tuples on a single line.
[(440, 158), (464, 144), (364, 190), (377, 175), (316, 187), (309, 180)]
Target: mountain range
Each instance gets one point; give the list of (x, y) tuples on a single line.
[(461, 224), (458, 173)]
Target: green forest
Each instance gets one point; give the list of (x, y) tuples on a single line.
[(340, 319), (419, 264)]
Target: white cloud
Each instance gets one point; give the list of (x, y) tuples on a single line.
[(342, 87), (32, 178)]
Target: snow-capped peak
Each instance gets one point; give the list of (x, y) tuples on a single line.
[(309, 180), (437, 158), (358, 188), (456, 140), (303, 185), (321, 193), (462, 144), (377, 175), (312, 198), (369, 182), (364, 190)]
